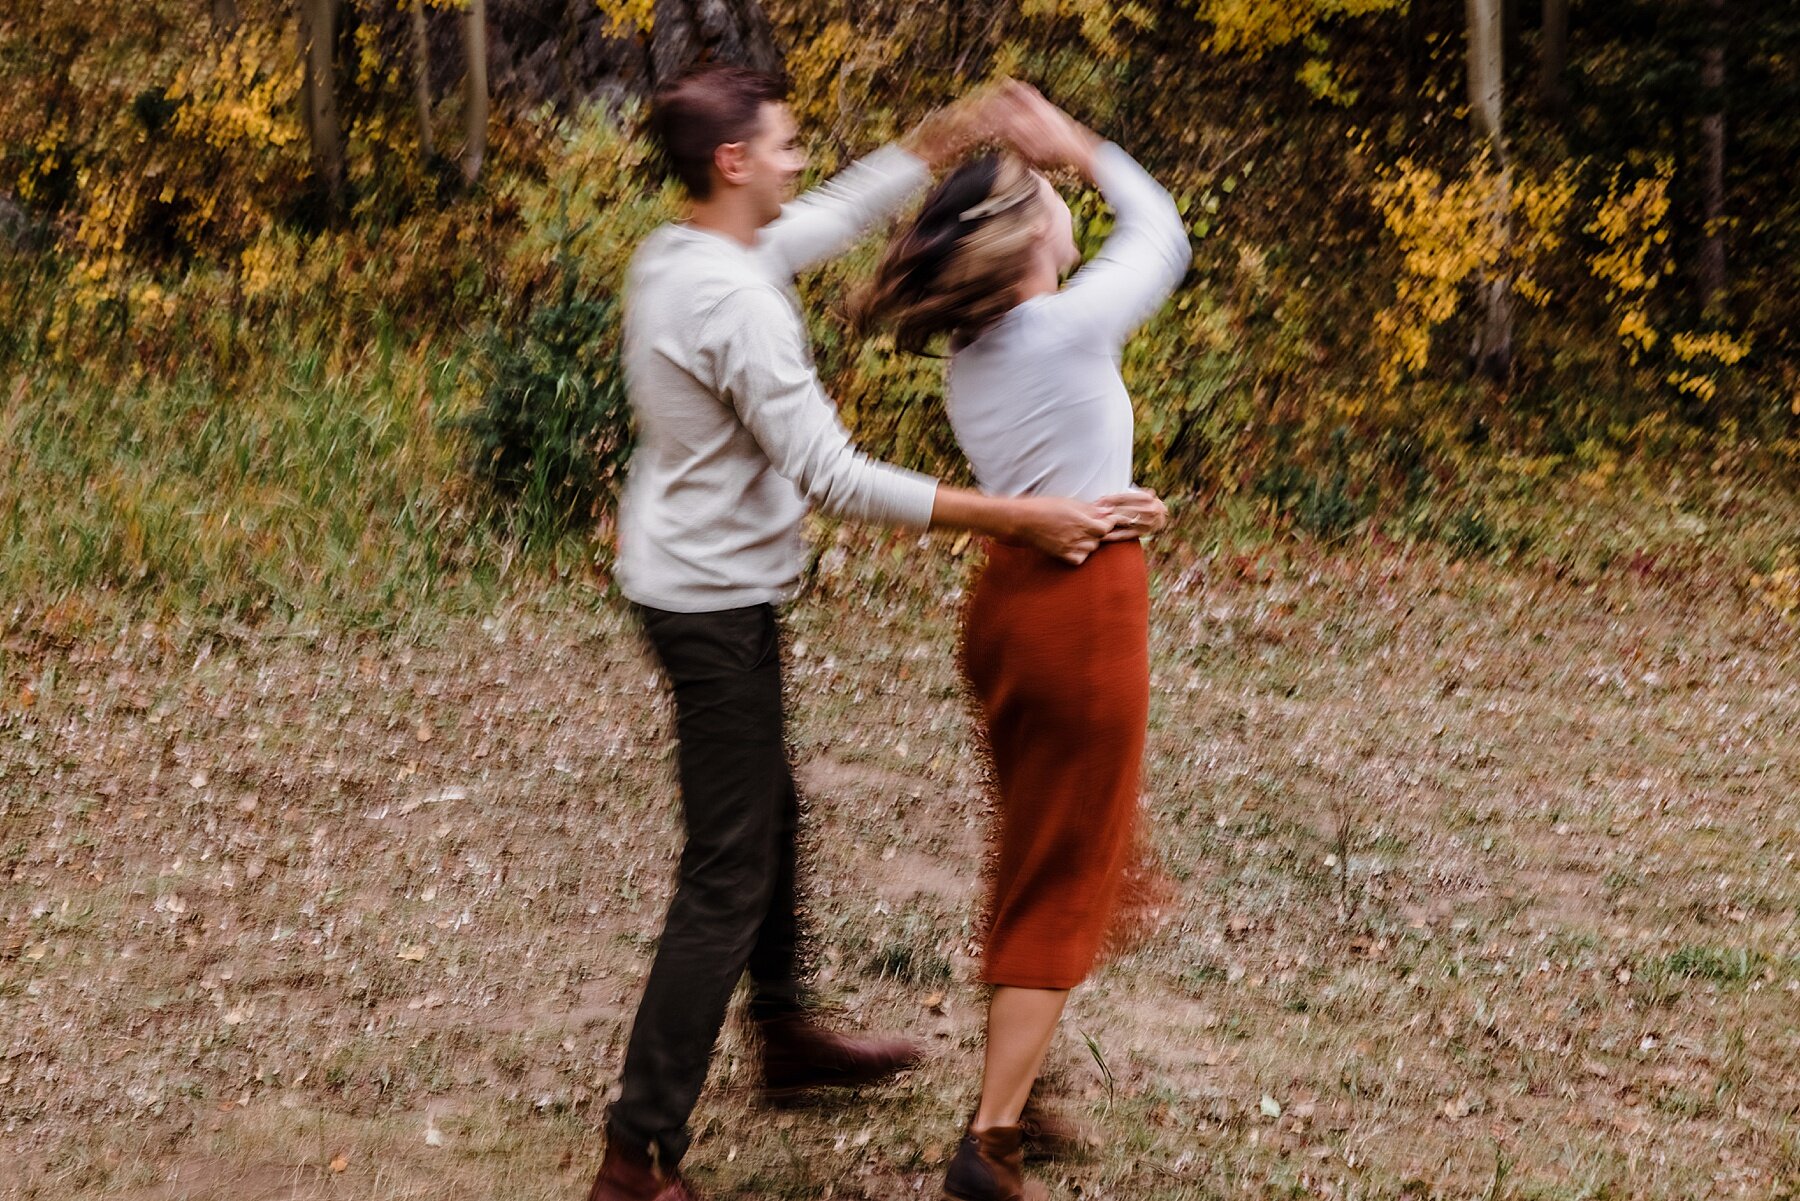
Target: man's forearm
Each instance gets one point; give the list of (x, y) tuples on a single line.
[(831, 218), (1066, 529), (961, 509)]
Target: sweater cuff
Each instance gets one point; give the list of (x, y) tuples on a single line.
[(1114, 170), (896, 160), (906, 497)]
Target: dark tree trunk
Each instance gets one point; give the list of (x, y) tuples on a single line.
[(561, 52), (1414, 38), (421, 47), (224, 16), (318, 98), (1712, 138), (1553, 56), (686, 32)]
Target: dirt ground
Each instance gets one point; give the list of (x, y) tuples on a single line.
[(1483, 885)]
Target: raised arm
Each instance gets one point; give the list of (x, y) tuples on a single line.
[(1140, 262), (831, 218), (1147, 253)]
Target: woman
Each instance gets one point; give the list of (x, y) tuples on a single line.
[(1057, 656)]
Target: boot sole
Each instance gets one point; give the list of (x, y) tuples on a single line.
[(802, 1096), (1034, 1191), (1074, 1153), (786, 1095), (796, 1097)]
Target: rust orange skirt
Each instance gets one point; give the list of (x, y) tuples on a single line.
[(1059, 661)]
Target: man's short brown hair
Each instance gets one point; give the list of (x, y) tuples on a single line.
[(705, 109)]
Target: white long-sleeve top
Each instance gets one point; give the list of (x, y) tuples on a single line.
[(1037, 402), (735, 434)]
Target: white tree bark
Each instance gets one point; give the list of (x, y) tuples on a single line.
[(475, 90), (1486, 84)]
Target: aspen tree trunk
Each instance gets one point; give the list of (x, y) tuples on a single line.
[(421, 48), (475, 90), (1492, 351)]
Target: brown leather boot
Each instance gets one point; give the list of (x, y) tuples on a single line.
[(990, 1166), (628, 1175), (798, 1055), (1049, 1134)]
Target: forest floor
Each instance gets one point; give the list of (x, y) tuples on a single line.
[(1483, 885)]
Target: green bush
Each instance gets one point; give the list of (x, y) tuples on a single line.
[(552, 433), (1319, 499)]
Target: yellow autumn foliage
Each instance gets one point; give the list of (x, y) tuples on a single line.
[(168, 163), (1631, 222), (1102, 22), (626, 15), (1255, 26), (1779, 587), (1446, 231)]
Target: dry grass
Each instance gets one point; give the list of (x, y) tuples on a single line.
[(1485, 879)]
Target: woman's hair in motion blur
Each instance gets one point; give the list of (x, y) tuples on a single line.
[(954, 268)]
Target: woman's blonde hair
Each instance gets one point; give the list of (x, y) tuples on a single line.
[(954, 268)]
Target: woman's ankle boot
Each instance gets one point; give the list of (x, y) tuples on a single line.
[(990, 1166)]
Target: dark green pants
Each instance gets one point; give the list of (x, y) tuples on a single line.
[(735, 905)]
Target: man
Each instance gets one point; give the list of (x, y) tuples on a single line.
[(735, 438)]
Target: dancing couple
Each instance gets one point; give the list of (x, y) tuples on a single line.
[(736, 438)]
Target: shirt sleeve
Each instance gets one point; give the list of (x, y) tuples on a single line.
[(831, 218), (756, 356), (1140, 262)]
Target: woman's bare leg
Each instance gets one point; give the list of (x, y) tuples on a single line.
[(1021, 1022)]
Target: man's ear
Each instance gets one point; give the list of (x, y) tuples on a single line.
[(732, 161)]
